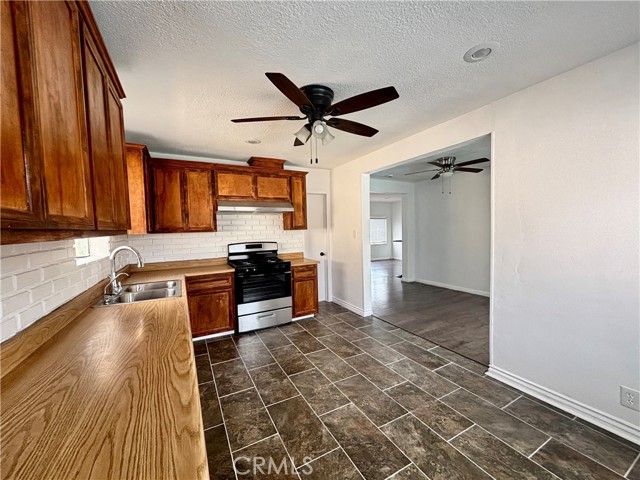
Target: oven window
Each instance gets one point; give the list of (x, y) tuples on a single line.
[(265, 287)]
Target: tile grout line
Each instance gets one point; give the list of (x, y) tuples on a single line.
[(316, 415), (224, 422), (403, 468), (537, 449), (257, 441), (459, 433), (269, 414), (633, 464), (319, 457), (512, 401)]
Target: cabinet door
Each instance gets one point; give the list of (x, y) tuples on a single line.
[(21, 200), (212, 312), (61, 116), (305, 297), (106, 143), (117, 161), (137, 155), (97, 124), (297, 220), (166, 195), (273, 187), (199, 200), (235, 185)]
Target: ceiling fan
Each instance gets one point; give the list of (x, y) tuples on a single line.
[(447, 166), (315, 104)]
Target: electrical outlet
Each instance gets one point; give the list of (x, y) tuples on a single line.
[(630, 398)]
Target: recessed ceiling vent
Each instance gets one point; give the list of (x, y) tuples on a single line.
[(480, 52)]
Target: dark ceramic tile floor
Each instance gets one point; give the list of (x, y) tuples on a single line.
[(344, 397)]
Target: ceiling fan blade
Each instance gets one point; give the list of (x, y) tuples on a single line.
[(352, 127), (290, 90), (471, 170), (437, 175), (297, 142), (423, 171), (363, 101), (265, 119), (472, 162)]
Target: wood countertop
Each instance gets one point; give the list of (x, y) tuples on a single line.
[(114, 393)]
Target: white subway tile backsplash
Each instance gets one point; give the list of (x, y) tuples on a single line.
[(14, 303), (36, 278), (8, 327)]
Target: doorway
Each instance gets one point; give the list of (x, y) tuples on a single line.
[(446, 298), (316, 240)]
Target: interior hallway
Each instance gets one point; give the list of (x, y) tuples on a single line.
[(455, 320)]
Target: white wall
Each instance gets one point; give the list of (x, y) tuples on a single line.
[(565, 232), (36, 278), (396, 230), (382, 210), (454, 232)]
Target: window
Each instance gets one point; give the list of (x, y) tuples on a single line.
[(91, 249), (378, 231)]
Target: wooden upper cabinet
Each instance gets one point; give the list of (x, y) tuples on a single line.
[(179, 199), (21, 200), (200, 214), (55, 30), (297, 220), (273, 187), (167, 207), (117, 161), (106, 142), (235, 186), (137, 157)]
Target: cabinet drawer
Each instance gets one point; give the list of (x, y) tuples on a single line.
[(208, 283), (304, 271)]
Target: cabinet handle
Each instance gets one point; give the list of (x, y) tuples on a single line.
[(265, 315)]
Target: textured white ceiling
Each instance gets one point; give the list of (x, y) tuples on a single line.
[(385, 197), (470, 150), (190, 67)]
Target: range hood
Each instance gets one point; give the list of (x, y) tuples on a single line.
[(244, 206)]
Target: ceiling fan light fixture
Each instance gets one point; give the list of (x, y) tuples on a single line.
[(303, 134), (446, 174), (319, 129), (328, 138)]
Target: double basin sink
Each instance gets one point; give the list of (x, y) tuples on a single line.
[(140, 292)]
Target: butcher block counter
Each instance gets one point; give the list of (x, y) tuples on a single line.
[(113, 394)]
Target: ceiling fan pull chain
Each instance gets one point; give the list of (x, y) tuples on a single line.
[(316, 149), (311, 153)]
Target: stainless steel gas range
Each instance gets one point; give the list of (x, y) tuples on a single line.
[(262, 285)]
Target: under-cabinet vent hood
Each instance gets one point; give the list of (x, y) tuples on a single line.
[(243, 206)]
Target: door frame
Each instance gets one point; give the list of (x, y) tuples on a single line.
[(327, 242)]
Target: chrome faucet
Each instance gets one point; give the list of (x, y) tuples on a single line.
[(116, 286)]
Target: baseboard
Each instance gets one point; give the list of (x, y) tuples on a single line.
[(381, 259), (351, 307), (592, 415), (453, 287)]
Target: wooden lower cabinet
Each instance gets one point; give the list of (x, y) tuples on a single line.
[(211, 304), (304, 290)]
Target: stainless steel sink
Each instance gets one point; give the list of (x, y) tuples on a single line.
[(141, 292), (140, 287)]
